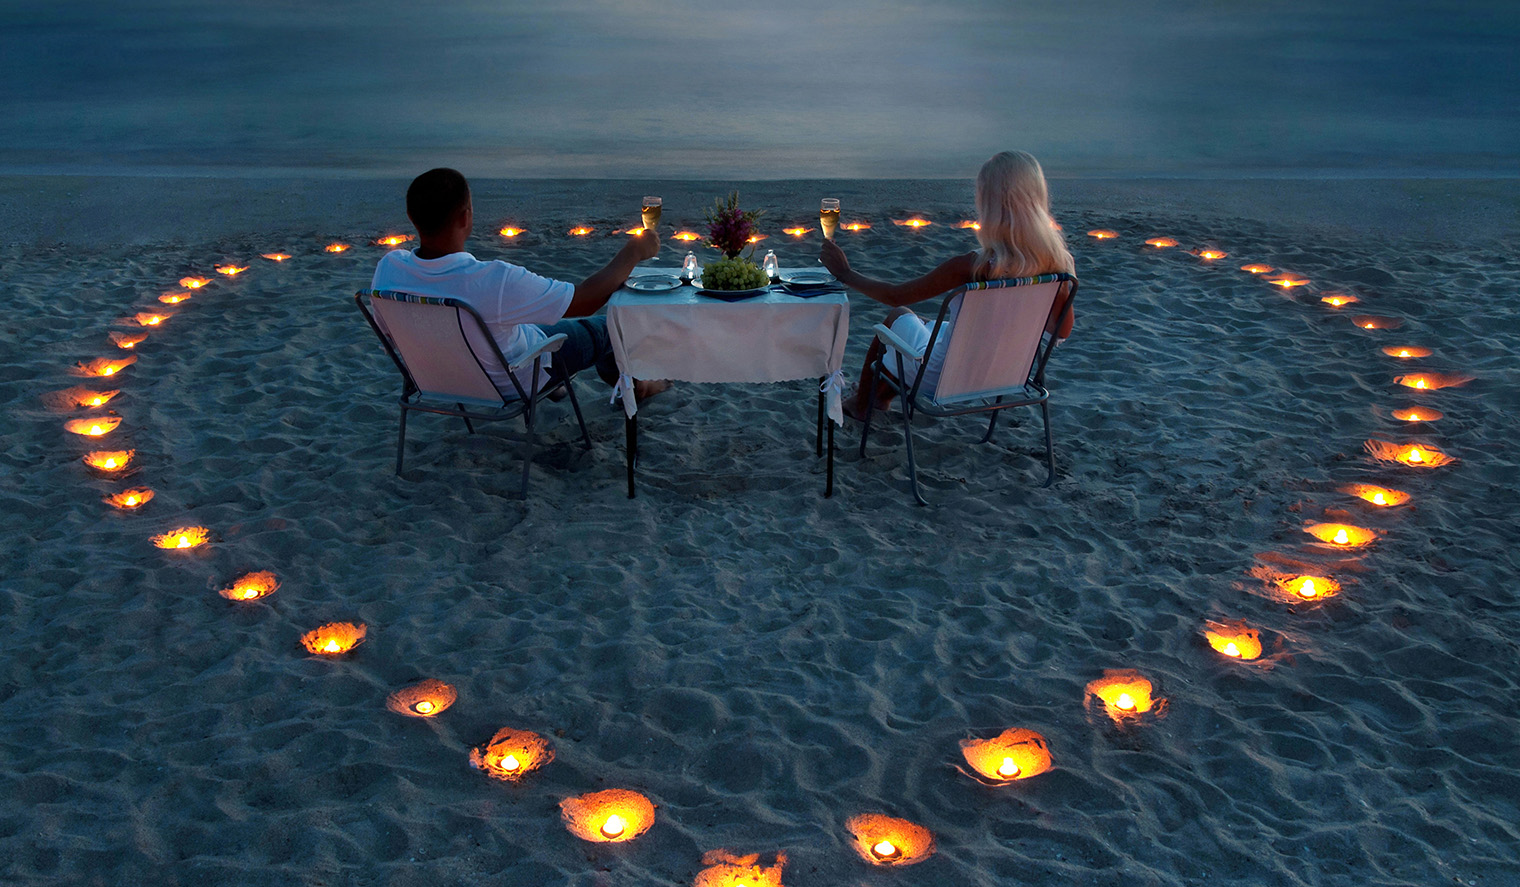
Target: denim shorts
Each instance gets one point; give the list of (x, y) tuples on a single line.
[(587, 346)]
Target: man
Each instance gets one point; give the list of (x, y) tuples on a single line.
[(520, 308)]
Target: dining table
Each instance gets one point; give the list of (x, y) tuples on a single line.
[(664, 326)]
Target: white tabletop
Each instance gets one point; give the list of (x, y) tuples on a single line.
[(773, 337)]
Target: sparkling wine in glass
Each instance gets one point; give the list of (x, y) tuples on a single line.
[(651, 213), (828, 216)]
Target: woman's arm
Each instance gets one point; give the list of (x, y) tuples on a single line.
[(946, 277)]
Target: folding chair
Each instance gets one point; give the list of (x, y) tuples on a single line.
[(994, 360), (445, 354)]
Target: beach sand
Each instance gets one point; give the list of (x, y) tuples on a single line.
[(761, 662)]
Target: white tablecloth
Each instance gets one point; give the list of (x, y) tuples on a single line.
[(775, 337)]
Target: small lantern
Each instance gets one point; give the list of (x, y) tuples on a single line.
[(337, 638), (128, 500), (1296, 587), (251, 586), (914, 222), (1412, 455), (1374, 322), (174, 298), (887, 840), (183, 538), (509, 232), (856, 226), (151, 318), (1406, 352), (1340, 535), (78, 398), (231, 270), (1432, 381), (393, 240), (580, 231), (1288, 281), (1014, 754), (1125, 694), (110, 461), (127, 341), (725, 868), (1209, 255), (1258, 269), (193, 283), (615, 815), (1338, 300), (335, 247), (276, 257), (1102, 234), (973, 225), (97, 427), (1418, 414), (756, 238), (1233, 639), (104, 366), (424, 699), (1383, 497), (511, 754), (1162, 242), (796, 232)]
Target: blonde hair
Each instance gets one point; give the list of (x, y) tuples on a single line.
[(1018, 235)]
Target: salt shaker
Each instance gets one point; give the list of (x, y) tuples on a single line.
[(772, 267), (689, 268)]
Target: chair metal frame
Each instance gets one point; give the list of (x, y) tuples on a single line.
[(1032, 393), (524, 404)]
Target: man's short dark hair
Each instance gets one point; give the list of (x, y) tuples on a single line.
[(434, 198)]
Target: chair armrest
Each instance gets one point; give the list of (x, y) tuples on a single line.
[(884, 333), (550, 346)]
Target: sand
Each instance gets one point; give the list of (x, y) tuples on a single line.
[(761, 662)]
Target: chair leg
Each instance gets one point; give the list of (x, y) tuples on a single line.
[(631, 430), (990, 425), (401, 442), (865, 429), (576, 405), (821, 397), (828, 487), (1050, 451), (468, 427), (528, 415), (908, 440)]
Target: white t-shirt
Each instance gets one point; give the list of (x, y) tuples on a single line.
[(511, 299)]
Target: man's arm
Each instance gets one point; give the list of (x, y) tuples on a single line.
[(593, 292)]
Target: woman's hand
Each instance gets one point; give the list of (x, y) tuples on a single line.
[(833, 258)]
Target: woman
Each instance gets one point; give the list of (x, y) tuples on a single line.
[(1018, 238)]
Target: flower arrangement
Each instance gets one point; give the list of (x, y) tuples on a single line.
[(730, 228)]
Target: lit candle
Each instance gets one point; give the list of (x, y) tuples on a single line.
[(1257, 269), (510, 763), (614, 826), (424, 707), (885, 850), (1103, 234), (336, 247), (1008, 769), (1125, 702), (509, 231)]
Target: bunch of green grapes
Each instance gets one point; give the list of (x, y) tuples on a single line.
[(733, 274)]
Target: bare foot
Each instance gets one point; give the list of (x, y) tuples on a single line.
[(643, 389)]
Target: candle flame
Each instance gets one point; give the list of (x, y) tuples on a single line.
[(1210, 255), (150, 319), (1125, 694), (1342, 535), (511, 754), (1125, 701), (1338, 300), (1258, 269), (1432, 381), (182, 538), (231, 270), (335, 247), (276, 257), (1404, 352), (1288, 281), (108, 460), (193, 283), (914, 222), (1161, 242), (856, 226), (971, 225), (127, 499), (1233, 639), (1373, 322), (611, 815), (97, 427), (77, 398), (1016, 753), (1103, 234), (1380, 496), (251, 586), (393, 240), (1413, 455), (580, 231), (887, 840), (1419, 414), (509, 231), (334, 638), (424, 699), (728, 869), (796, 232), (686, 236), (756, 238), (127, 341)]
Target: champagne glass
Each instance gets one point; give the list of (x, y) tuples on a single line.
[(651, 213), (828, 216)]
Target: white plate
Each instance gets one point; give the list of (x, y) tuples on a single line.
[(808, 278), (653, 283)]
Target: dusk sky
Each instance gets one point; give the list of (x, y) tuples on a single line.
[(781, 89)]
